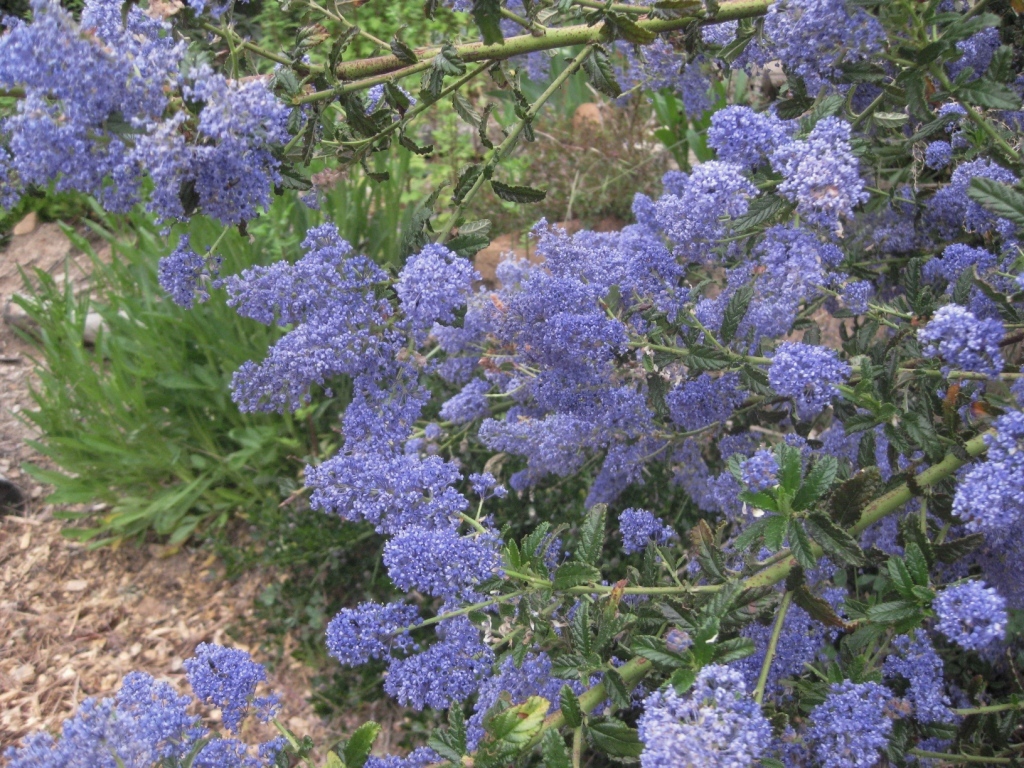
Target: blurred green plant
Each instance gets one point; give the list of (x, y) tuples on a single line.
[(142, 422)]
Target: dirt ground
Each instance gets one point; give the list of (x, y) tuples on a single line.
[(73, 621)]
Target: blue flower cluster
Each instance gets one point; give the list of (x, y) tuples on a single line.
[(971, 615), (851, 727), (916, 661), (147, 723), (640, 527), (963, 340), (715, 723), (808, 374), (990, 496)]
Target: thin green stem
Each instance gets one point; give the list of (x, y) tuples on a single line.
[(961, 758), (639, 10), (275, 57), (577, 747), (463, 610), (977, 118), (473, 522), (513, 137), (773, 644), (579, 34), (868, 110), (991, 708), (528, 24)]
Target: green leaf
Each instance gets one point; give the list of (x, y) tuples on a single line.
[(358, 747), (601, 73), (514, 194), (817, 482), (465, 110), (517, 725), (467, 178), (573, 574), (396, 97), (402, 51), (951, 551), (775, 532), (471, 238), (761, 211), (834, 540), (579, 629), (487, 15), (614, 738), (592, 534), (571, 709), (891, 613), (985, 93), (816, 608), (707, 552), (615, 687), (333, 761), (890, 119), (790, 468), (750, 534), (654, 649), (917, 564), (735, 311), (733, 649), (627, 29), (554, 751), (682, 680), (413, 147), (847, 500), (998, 198), (800, 545), (900, 577)]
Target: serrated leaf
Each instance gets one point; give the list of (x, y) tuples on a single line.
[(487, 15), (514, 194), (358, 747), (465, 110), (682, 680), (401, 51), (554, 751), (951, 551), (467, 178), (985, 93), (579, 629), (735, 311), (333, 761), (573, 574), (800, 545), (467, 245), (517, 725), (890, 119), (655, 650), (816, 608), (790, 468), (707, 552), (615, 687), (413, 147), (601, 73), (761, 211), (848, 499), (394, 96), (614, 738), (775, 532), (482, 131), (733, 649), (818, 480), (627, 29), (893, 612), (998, 198), (571, 709), (449, 61), (750, 534), (834, 540), (917, 564), (592, 534)]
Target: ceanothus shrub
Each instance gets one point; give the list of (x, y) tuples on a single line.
[(814, 337)]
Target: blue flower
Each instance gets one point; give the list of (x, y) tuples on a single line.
[(851, 727), (808, 374), (971, 615), (963, 341), (639, 527)]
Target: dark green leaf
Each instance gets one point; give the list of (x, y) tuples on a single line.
[(848, 499), (517, 194), (988, 94), (601, 73), (413, 147), (891, 613), (487, 15), (396, 97), (467, 178), (615, 687), (817, 482), (917, 564), (579, 629), (951, 551), (472, 237), (733, 650), (614, 738), (554, 751), (465, 110), (571, 707), (750, 534), (998, 198), (708, 554), (816, 608), (573, 574), (402, 51), (682, 680), (790, 468), (735, 311), (762, 211), (627, 29), (775, 532), (834, 540), (654, 648), (592, 535), (800, 545), (358, 747)]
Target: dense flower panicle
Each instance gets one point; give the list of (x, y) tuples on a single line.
[(760, 471), (390, 491), (469, 404), (916, 661), (950, 209), (226, 678), (639, 527), (813, 38), (938, 154), (704, 400), (432, 285), (740, 135), (976, 53), (370, 631), (808, 374), (440, 562), (963, 341), (955, 260), (856, 295), (447, 672), (851, 727), (180, 274), (821, 174), (716, 723), (146, 724), (690, 214), (971, 615)]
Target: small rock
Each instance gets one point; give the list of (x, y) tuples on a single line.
[(24, 674), (94, 323), (27, 225), (76, 585)]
